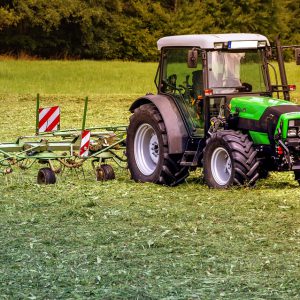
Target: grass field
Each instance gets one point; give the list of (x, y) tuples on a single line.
[(82, 239), (76, 77)]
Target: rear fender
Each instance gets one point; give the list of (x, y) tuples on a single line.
[(176, 131)]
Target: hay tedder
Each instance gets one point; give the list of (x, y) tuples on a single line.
[(58, 149)]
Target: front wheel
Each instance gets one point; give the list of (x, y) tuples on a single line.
[(229, 158), (147, 149)]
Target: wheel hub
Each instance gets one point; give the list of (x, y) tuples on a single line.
[(154, 149), (221, 166), (146, 149)]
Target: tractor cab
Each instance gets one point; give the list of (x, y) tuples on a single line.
[(203, 72)]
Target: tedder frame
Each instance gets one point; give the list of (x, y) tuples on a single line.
[(65, 149)]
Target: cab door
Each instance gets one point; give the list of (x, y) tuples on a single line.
[(185, 84)]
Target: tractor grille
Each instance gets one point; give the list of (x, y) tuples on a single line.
[(294, 123), (294, 129)]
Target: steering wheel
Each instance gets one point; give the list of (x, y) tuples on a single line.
[(173, 87), (246, 87)]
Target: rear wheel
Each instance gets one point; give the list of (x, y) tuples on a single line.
[(147, 149), (229, 158)]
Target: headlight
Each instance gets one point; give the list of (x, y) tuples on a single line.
[(292, 132)]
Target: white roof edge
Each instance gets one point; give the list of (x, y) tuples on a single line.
[(206, 41)]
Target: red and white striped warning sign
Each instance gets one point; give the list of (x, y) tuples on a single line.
[(85, 143), (49, 118)]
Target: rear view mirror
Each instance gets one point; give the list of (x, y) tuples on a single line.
[(193, 58), (297, 56)]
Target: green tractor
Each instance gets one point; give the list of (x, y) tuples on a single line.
[(215, 108)]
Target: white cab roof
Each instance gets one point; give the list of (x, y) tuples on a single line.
[(206, 41)]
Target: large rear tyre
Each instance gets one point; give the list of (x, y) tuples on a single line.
[(147, 149), (230, 159)]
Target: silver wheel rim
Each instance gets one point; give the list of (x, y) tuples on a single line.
[(146, 149), (221, 166)]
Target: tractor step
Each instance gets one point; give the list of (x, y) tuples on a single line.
[(190, 158)]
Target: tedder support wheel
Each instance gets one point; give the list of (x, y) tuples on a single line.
[(46, 176), (147, 149), (105, 172), (229, 158)]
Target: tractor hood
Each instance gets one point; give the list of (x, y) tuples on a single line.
[(262, 116), (254, 107)]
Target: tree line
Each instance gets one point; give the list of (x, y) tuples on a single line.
[(128, 30)]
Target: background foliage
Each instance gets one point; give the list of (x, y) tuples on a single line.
[(119, 29)]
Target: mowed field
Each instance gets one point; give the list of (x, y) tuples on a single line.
[(82, 239)]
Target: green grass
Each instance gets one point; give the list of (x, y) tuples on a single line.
[(84, 77), (82, 239), (76, 77)]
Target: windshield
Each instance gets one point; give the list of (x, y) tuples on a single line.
[(232, 72)]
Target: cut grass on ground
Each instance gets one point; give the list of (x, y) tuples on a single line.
[(82, 239)]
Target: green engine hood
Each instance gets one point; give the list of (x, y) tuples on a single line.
[(253, 107), (253, 113)]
